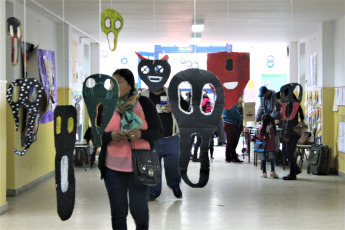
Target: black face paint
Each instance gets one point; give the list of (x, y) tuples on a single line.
[(65, 119), (154, 73), (289, 114), (100, 102), (30, 97), (14, 31), (196, 121)]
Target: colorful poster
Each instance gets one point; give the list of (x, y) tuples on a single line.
[(341, 144), (46, 65)]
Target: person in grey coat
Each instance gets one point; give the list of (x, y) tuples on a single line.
[(267, 101)]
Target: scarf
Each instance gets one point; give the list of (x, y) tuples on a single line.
[(129, 120)]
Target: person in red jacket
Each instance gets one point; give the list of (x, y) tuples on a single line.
[(267, 134)]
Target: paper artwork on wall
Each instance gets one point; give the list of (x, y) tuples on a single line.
[(47, 70), (30, 97), (111, 23), (155, 73), (101, 94), (14, 30), (195, 121), (339, 98), (232, 69), (78, 103), (341, 137), (65, 134)]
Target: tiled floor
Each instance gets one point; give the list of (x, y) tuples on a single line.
[(236, 197)]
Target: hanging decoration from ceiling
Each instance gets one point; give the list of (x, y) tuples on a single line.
[(196, 121), (26, 52), (232, 69), (47, 71), (154, 73), (65, 118), (101, 94), (30, 97), (112, 24), (290, 103), (14, 30)]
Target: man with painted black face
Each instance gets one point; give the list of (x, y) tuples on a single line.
[(267, 101), (167, 147)]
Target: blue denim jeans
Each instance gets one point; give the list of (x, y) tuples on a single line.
[(169, 150), (118, 184), (271, 157)]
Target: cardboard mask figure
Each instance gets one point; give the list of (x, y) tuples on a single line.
[(289, 104), (30, 97), (65, 118), (232, 69), (101, 94), (14, 31), (154, 73), (196, 121), (111, 23)]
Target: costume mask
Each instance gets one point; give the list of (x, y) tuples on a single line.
[(14, 31), (290, 99), (232, 69), (111, 23), (101, 94), (65, 118), (154, 73), (30, 97), (196, 121)]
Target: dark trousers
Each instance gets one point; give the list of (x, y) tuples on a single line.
[(118, 184), (198, 144), (233, 133), (290, 153)]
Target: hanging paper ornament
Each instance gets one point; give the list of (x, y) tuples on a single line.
[(232, 69), (101, 94), (196, 121), (112, 24), (290, 103), (14, 31), (30, 97), (154, 73)]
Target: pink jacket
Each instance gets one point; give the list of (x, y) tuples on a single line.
[(206, 105)]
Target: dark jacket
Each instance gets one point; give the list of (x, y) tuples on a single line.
[(154, 131), (289, 125), (264, 105)]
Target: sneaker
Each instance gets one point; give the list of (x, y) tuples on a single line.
[(290, 177), (227, 161), (274, 174), (177, 192), (264, 175), (152, 198)]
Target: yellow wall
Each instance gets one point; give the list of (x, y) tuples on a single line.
[(3, 144), (40, 158), (339, 156)]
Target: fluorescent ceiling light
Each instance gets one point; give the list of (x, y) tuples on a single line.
[(198, 25)]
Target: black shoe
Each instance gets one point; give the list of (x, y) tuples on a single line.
[(177, 192), (236, 160), (152, 198), (298, 172), (290, 177), (196, 160)]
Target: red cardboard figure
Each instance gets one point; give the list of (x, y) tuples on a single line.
[(233, 70)]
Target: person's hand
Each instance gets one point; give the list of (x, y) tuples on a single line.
[(133, 134), (167, 108), (286, 139), (118, 135), (276, 122)]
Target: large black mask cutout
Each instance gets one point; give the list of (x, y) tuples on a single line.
[(154, 73), (30, 97), (196, 121), (65, 119)]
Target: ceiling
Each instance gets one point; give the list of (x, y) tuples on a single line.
[(169, 22)]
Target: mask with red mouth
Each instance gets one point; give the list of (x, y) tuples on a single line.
[(290, 103), (154, 73), (232, 70), (14, 31)]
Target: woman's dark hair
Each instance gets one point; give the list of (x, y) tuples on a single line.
[(266, 121), (128, 76)]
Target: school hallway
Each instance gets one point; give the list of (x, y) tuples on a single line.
[(236, 197)]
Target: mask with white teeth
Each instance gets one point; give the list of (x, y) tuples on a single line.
[(111, 23), (155, 73), (232, 69)]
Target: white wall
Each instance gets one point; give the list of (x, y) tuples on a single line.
[(328, 54), (3, 35), (339, 49)]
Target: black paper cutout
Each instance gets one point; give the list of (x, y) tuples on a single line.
[(65, 119), (155, 73), (27, 89), (196, 121), (290, 99), (13, 30)]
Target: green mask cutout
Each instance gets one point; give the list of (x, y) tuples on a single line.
[(111, 23), (101, 94)]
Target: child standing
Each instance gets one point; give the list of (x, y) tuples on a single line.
[(267, 133)]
